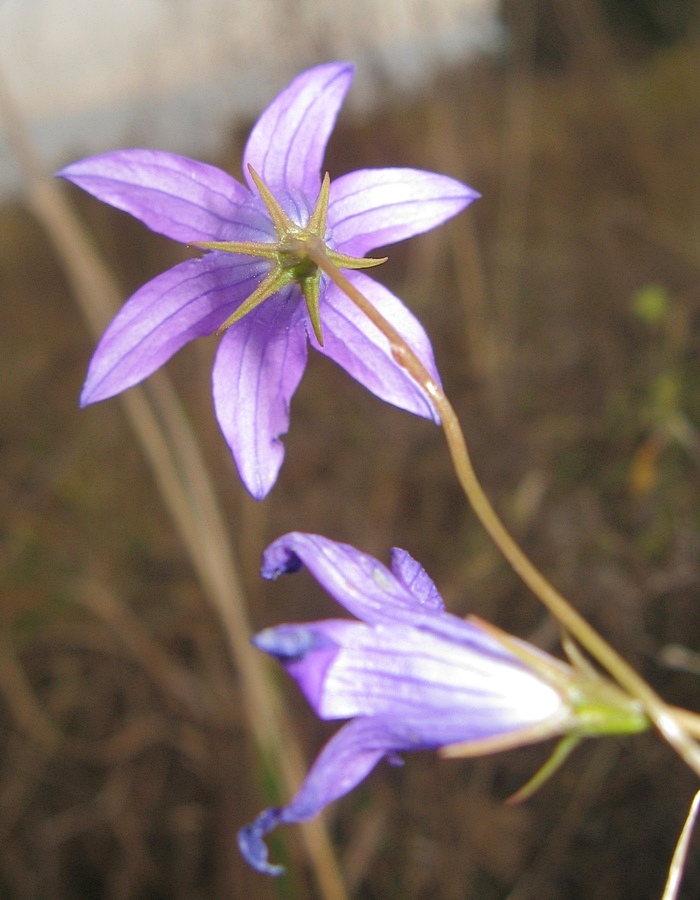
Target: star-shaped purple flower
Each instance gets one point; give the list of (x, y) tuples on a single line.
[(255, 280), (409, 675)]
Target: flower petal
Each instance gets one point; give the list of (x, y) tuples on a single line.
[(305, 651), (190, 300), (357, 345), (368, 590), (258, 367), (414, 577), (449, 691), (344, 762), (371, 208), (179, 197), (287, 143), (356, 580)]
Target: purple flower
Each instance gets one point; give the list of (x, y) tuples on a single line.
[(409, 675), (257, 279)]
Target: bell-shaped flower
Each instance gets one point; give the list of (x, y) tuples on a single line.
[(411, 676), (257, 285)]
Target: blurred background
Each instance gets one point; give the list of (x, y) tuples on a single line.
[(563, 309)]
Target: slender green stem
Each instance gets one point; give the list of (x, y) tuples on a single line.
[(666, 719)]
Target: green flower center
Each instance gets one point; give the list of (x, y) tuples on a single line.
[(290, 255)]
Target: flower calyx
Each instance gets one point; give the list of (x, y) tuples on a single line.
[(291, 255)]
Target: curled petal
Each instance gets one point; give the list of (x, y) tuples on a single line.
[(342, 764), (287, 143), (372, 208), (305, 651), (179, 197), (357, 345), (251, 842), (258, 368), (409, 675), (356, 580), (291, 643), (188, 301), (372, 593)]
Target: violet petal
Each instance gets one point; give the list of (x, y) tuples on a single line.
[(442, 690), (344, 762), (356, 580), (357, 345), (190, 300), (182, 198), (306, 651), (414, 577), (372, 208), (258, 367), (288, 142), (370, 591)]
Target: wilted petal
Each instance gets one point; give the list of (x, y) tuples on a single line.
[(342, 764), (356, 344), (179, 197), (372, 208), (258, 367), (287, 143), (356, 580), (188, 301)]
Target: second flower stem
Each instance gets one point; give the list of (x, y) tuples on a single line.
[(666, 720)]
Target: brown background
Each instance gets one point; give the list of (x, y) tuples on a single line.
[(563, 308)]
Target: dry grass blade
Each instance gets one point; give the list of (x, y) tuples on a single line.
[(173, 454), (675, 872)]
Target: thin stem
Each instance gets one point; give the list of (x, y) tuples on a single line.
[(172, 451), (667, 721), (689, 720), (675, 872)]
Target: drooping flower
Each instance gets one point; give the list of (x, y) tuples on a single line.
[(411, 676), (256, 282)]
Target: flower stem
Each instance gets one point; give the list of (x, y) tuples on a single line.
[(690, 721), (667, 720)]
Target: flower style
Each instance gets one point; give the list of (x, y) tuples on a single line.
[(257, 283), (411, 676)]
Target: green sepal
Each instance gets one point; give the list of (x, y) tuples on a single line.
[(341, 261), (559, 756), (271, 285), (245, 248), (311, 289), (291, 255)]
